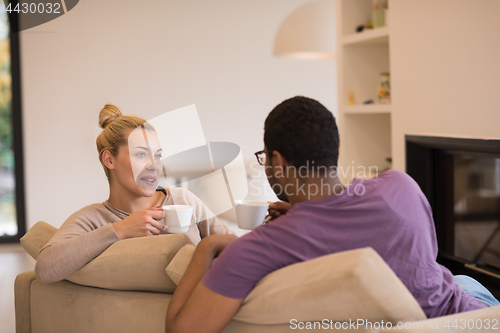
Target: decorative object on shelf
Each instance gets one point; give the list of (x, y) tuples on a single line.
[(362, 58), (360, 28), (351, 98), (384, 91), (378, 13), (368, 25), (389, 161), (369, 101), (308, 32)]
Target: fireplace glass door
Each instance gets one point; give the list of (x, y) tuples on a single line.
[(477, 209)]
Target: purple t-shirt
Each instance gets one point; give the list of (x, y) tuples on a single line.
[(388, 213)]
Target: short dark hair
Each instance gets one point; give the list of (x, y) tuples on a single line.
[(303, 130)]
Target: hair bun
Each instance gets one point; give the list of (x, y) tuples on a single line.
[(109, 113)]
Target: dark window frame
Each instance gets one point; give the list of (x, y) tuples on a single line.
[(17, 134)]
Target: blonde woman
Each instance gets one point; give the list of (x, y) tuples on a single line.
[(129, 152)]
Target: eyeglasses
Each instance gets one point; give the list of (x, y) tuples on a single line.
[(261, 157)]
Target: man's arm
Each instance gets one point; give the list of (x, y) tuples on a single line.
[(194, 307)]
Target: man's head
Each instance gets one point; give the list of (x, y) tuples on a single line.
[(304, 134), (303, 131)]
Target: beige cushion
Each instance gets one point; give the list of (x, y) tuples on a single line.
[(133, 264), (346, 285), (130, 264), (179, 263), (37, 237), (341, 286)]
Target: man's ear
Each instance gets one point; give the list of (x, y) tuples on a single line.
[(108, 160), (279, 162), (278, 159)]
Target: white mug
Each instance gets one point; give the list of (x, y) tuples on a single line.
[(177, 218), (250, 214)]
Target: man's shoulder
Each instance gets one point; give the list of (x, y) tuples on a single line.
[(402, 189), (397, 177), (259, 239), (279, 230), (393, 174), (250, 239)]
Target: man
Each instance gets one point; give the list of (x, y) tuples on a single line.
[(388, 213)]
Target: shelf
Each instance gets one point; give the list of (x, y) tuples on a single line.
[(365, 129), (367, 109), (373, 36)]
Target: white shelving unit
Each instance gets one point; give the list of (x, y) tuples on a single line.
[(367, 109), (373, 36), (365, 129)]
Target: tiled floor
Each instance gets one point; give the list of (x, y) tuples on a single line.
[(13, 260)]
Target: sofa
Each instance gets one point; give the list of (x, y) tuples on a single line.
[(127, 288)]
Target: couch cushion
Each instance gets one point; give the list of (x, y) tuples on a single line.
[(133, 264), (130, 264), (36, 238), (355, 284), (342, 286), (179, 263)]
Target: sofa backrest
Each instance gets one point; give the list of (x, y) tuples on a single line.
[(132, 264), (343, 286)]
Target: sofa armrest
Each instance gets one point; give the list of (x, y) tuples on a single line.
[(22, 291)]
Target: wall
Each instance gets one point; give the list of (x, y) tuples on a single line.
[(445, 70), (149, 57)]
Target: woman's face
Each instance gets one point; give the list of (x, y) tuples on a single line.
[(138, 166)]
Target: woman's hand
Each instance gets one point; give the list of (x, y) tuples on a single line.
[(278, 208), (139, 224)]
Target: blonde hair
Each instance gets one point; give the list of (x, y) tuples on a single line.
[(114, 125)]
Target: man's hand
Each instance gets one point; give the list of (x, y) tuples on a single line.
[(139, 224), (193, 305), (278, 208)]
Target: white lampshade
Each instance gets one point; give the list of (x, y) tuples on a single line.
[(308, 32)]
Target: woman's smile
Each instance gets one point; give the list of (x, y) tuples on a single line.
[(148, 181)]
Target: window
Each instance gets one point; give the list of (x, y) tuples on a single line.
[(12, 216)]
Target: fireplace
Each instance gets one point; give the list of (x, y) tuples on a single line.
[(461, 179)]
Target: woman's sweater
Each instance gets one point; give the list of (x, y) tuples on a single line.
[(88, 232)]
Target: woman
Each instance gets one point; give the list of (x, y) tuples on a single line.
[(130, 154)]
